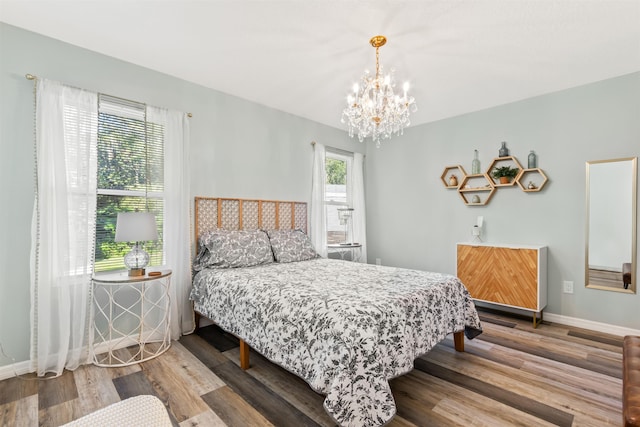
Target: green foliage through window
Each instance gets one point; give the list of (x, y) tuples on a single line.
[(336, 171)]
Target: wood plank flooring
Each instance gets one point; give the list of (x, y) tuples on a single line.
[(611, 279), (511, 375)]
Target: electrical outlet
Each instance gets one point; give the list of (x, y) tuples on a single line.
[(378, 261), (567, 287)]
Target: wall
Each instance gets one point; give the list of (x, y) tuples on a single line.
[(238, 148), (566, 129)]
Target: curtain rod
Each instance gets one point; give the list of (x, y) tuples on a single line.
[(32, 77)]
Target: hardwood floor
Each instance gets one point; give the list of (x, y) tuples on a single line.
[(511, 375)]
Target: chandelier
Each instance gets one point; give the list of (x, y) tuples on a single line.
[(374, 109)]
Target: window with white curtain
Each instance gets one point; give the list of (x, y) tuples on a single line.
[(336, 193), (130, 177)]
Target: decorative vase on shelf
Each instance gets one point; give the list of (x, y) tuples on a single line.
[(475, 164), (453, 181), (504, 151), (533, 160)]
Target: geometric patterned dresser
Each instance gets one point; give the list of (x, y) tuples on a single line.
[(507, 275)]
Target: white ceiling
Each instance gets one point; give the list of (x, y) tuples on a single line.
[(303, 56)]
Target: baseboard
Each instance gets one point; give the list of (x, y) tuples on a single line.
[(14, 369), (590, 325), (21, 368)]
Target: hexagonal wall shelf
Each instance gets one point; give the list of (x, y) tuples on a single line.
[(531, 180), (503, 161), (457, 171), (476, 190)]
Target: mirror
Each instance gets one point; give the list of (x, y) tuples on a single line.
[(611, 225)]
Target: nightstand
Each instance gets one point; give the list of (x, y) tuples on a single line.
[(130, 311)]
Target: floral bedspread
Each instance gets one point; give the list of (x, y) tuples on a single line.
[(346, 328)]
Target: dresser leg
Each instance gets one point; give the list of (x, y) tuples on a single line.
[(536, 322)]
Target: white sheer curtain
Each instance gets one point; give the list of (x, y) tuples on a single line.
[(176, 228), (355, 192), (63, 227), (318, 212)]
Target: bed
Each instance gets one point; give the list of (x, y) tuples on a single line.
[(345, 328)]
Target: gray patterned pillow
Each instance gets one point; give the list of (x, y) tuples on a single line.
[(291, 245), (233, 248)]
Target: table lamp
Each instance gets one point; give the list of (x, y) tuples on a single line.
[(345, 215), (136, 227)]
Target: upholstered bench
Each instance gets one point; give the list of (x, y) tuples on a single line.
[(631, 381)]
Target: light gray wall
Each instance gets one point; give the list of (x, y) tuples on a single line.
[(238, 148), (413, 221)]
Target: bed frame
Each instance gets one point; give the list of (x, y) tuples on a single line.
[(248, 214)]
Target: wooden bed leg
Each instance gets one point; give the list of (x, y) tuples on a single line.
[(196, 321), (244, 355), (458, 340)]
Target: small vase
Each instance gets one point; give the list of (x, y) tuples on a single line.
[(532, 160), (504, 151), (453, 181), (475, 164)]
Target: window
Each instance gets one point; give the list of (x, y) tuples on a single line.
[(336, 196), (130, 177)]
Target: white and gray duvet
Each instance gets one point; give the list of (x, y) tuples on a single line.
[(345, 328)]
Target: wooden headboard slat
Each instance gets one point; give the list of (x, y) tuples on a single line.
[(216, 212)]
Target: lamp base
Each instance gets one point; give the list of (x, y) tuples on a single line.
[(136, 260), (137, 272)]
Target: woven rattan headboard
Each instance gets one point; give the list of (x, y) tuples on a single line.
[(244, 214)]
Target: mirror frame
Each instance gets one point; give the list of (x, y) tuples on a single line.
[(634, 203)]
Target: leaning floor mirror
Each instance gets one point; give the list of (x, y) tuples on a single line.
[(611, 259)]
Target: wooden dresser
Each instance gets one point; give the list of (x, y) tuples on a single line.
[(508, 275)]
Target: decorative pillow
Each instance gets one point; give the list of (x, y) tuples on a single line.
[(291, 245), (232, 249)]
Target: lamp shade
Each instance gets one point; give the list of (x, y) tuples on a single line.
[(136, 227)]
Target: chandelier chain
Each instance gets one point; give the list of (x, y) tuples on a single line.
[(377, 63)]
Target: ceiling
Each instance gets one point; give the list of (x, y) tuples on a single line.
[(303, 56)]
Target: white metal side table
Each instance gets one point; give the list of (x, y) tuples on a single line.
[(130, 312), (342, 249)]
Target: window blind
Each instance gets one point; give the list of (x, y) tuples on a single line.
[(130, 177)]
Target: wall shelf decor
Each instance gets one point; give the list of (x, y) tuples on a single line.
[(476, 189), (456, 170), (531, 180), (500, 162)]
